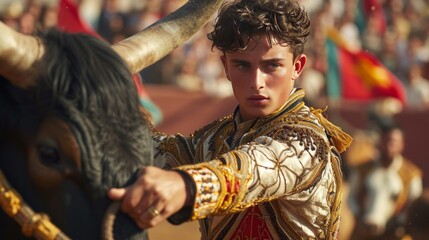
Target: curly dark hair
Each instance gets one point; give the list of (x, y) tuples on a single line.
[(238, 22)]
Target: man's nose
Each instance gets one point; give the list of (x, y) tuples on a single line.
[(258, 79)]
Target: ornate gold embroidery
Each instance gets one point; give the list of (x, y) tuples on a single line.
[(209, 190)]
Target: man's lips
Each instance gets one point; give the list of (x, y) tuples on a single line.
[(258, 98)]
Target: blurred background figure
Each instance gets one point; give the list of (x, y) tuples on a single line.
[(417, 87), (382, 189)]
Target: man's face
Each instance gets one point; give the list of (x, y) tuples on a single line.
[(262, 77), (392, 143)]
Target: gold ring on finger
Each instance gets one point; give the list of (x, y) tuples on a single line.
[(153, 211)]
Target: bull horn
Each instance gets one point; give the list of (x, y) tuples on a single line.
[(159, 39), (18, 55)]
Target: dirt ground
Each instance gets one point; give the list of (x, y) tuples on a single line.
[(188, 231)]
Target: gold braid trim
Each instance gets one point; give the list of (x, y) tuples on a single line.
[(335, 218), (407, 172), (33, 224), (340, 139)]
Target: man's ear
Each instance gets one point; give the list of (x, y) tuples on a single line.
[(299, 64), (225, 67)]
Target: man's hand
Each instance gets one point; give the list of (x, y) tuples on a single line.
[(156, 195)]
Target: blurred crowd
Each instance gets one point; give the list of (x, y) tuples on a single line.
[(400, 41)]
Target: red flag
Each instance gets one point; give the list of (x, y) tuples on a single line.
[(69, 19), (362, 76), (375, 79)]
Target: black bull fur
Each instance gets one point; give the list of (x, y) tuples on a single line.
[(83, 83)]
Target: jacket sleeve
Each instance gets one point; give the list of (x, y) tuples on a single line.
[(261, 170), (173, 150)]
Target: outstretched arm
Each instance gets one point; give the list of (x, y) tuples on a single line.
[(256, 172)]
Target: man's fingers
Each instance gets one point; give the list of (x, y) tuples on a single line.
[(151, 216), (116, 193)]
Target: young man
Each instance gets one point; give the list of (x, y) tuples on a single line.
[(269, 171)]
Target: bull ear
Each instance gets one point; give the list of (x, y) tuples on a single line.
[(19, 54), (159, 39)]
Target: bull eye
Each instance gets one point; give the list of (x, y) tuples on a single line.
[(48, 155)]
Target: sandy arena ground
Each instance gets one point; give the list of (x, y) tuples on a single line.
[(186, 231)]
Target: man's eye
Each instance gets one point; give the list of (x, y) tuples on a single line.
[(241, 66), (274, 65)]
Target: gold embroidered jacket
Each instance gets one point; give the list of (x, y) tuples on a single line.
[(276, 177)]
